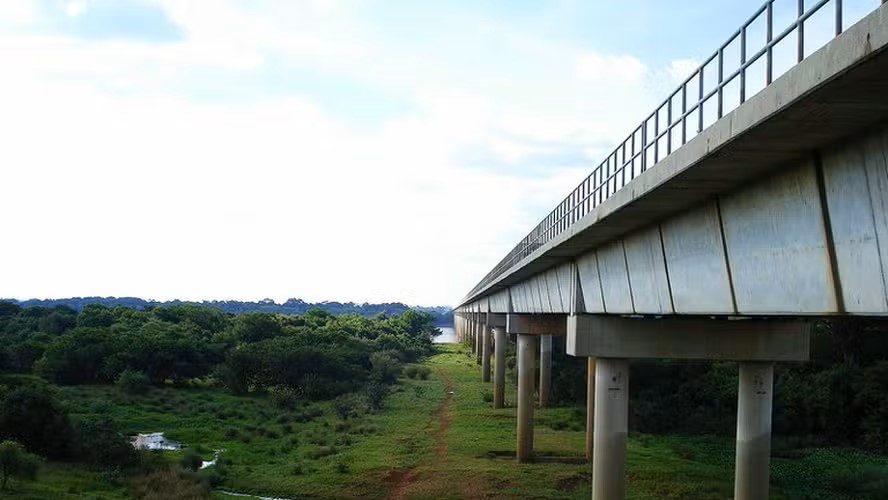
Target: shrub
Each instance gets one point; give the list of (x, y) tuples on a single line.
[(385, 367), (342, 468), (557, 425), (376, 393), (487, 396), (191, 461), (411, 371), (423, 372), (170, 484), (321, 451), (231, 433), (98, 440), (15, 461), (299, 469)]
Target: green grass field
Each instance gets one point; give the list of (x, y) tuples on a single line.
[(428, 443)]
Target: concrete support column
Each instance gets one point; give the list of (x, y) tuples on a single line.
[(754, 404), (526, 355), (485, 353), (545, 369), (479, 339), (499, 372), (590, 407), (611, 428)]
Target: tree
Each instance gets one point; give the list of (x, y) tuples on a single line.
[(15, 462), (31, 416), (95, 316)]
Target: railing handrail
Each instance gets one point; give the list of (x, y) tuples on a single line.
[(603, 181)]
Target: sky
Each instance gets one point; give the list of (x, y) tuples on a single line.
[(350, 150)]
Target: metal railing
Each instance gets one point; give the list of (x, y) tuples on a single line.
[(668, 123)]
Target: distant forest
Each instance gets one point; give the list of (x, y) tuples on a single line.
[(440, 314)]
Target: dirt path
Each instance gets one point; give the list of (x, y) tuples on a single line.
[(401, 479)]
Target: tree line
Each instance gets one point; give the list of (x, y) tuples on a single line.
[(441, 314)]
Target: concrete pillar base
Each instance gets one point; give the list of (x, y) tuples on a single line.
[(754, 406), (611, 429), (526, 355), (499, 372)]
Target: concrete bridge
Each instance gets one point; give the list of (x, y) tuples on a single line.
[(698, 240)]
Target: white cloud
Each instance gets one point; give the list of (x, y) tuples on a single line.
[(122, 184), (680, 69), (17, 11), (75, 7)]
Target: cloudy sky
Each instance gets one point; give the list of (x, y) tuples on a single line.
[(365, 150)]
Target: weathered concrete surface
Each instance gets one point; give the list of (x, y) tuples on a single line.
[(536, 324), (611, 429), (648, 281), (499, 372), (684, 338), (754, 406), (485, 353), (777, 246), (856, 188), (526, 361), (835, 93), (590, 407), (545, 369), (698, 268)]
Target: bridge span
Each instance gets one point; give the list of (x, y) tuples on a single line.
[(698, 240)]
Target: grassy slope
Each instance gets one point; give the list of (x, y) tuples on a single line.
[(403, 450)]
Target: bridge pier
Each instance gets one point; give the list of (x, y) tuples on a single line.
[(590, 407), (754, 404), (611, 429), (528, 327), (755, 344), (545, 369), (526, 361), (499, 372), (485, 353)]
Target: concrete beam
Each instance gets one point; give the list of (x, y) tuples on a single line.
[(681, 338), (536, 324), (495, 320)]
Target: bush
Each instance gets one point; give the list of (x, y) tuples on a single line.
[(411, 371), (423, 372), (98, 440), (133, 382), (231, 433), (15, 461), (385, 367), (284, 398), (171, 484), (487, 396), (342, 468), (191, 461), (376, 393), (349, 405)]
